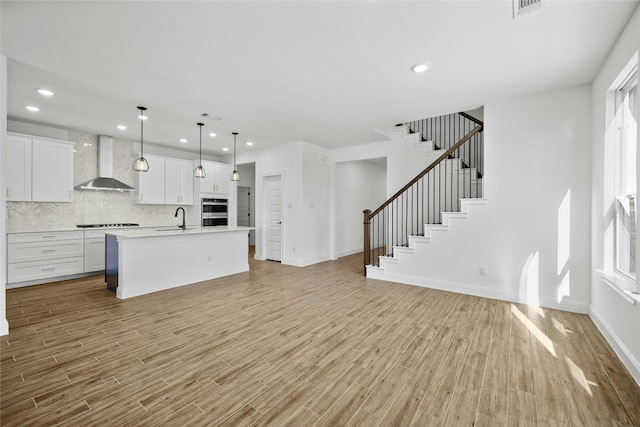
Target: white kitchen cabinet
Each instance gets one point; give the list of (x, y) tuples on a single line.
[(52, 171), (93, 251), (151, 183), (18, 168), (178, 189), (36, 256), (38, 170), (217, 180)]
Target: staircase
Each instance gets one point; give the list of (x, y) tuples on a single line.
[(434, 200)]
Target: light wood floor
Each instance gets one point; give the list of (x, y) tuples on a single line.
[(320, 346)]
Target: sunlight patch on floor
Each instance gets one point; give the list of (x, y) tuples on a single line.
[(534, 330), (578, 375)]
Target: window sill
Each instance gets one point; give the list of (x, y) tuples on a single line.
[(621, 285)]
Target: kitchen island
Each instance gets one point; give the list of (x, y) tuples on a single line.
[(142, 261)]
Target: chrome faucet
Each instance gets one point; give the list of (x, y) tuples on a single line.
[(184, 225)]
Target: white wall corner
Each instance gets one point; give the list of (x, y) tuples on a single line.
[(4, 324), (626, 356)]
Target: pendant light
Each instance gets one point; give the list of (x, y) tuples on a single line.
[(199, 171), (235, 176), (141, 164)]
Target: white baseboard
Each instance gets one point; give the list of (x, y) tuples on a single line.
[(565, 305), (350, 252), (625, 355), (478, 291), (308, 262), (4, 327)]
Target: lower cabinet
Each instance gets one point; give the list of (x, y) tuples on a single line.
[(35, 270), (39, 256), (93, 251), (35, 256)]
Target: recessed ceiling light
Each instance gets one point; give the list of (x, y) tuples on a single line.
[(183, 140), (143, 117), (249, 143), (225, 149), (122, 127), (212, 134), (419, 68), (32, 108), (45, 92)]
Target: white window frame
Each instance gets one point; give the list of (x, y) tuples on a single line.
[(625, 170)]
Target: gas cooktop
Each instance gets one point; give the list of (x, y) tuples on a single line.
[(123, 224)]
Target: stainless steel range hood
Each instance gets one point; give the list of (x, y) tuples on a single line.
[(105, 180)]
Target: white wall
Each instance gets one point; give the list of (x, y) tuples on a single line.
[(316, 204), (360, 185), (532, 238), (617, 318), (4, 325), (284, 160)]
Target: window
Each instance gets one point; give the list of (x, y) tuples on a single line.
[(625, 180)]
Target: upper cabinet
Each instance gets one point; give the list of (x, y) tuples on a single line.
[(178, 187), (169, 181), (151, 183), (52, 171), (217, 179), (18, 168), (38, 170)]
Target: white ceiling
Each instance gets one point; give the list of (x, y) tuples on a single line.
[(325, 72)]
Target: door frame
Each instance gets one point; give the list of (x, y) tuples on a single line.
[(264, 221)]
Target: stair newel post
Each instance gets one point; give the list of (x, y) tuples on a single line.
[(367, 243)]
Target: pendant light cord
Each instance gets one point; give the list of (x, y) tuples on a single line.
[(234, 152), (200, 124)]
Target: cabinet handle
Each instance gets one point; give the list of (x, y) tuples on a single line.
[(48, 251), (141, 198), (48, 269), (48, 237), (69, 194)]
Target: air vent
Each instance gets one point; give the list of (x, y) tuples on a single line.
[(523, 7)]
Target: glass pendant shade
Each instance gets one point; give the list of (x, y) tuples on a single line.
[(141, 164), (199, 170), (235, 176)]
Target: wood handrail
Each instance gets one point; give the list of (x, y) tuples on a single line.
[(446, 154), (473, 119)]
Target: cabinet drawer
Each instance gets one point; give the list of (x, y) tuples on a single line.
[(22, 252), (94, 234), (44, 237), (23, 271)]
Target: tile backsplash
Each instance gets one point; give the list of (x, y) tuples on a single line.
[(92, 207)]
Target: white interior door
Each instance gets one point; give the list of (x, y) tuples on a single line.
[(273, 203)]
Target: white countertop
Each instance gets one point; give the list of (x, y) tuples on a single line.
[(56, 229), (172, 231)]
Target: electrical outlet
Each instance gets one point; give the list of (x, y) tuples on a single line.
[(294, 249), (482, 271), (209, 258)]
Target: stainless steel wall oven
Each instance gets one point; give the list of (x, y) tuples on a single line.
[(215, 212)]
